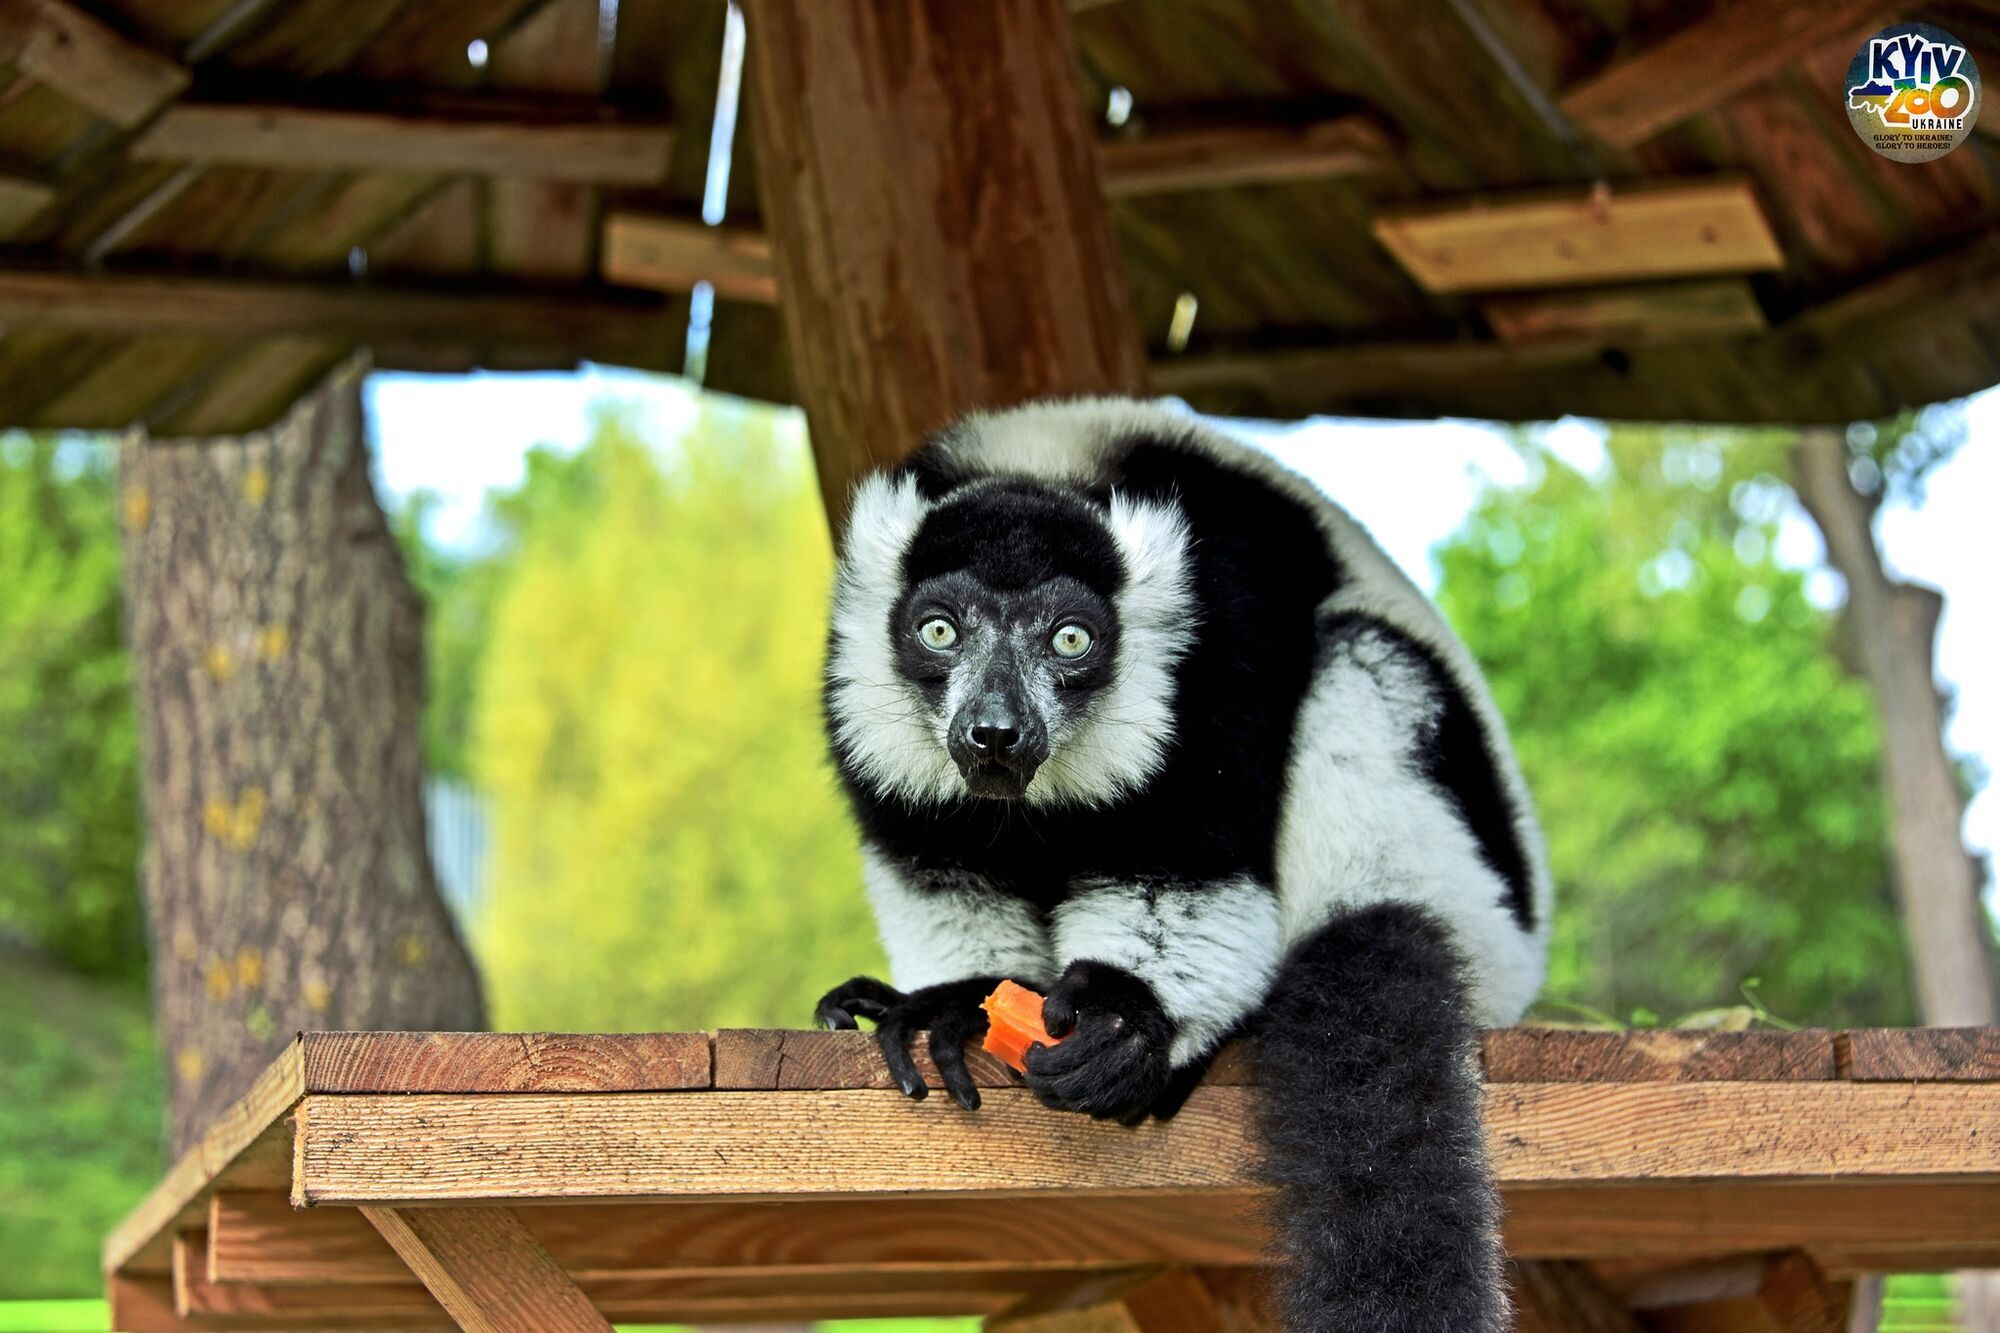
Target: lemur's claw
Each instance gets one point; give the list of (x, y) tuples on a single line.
[(950, 1011)]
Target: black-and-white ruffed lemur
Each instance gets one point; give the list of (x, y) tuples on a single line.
[(1135, 716)]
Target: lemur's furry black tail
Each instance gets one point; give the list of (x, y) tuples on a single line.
[(1386, 1213)]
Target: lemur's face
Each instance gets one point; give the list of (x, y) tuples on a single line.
[(1011, 639), (1007, 673)]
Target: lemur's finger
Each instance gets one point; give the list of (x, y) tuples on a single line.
[(860, 997), (893, 1035), (948, 1034)]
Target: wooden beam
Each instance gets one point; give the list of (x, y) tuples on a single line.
[(913, 292), (258, 1237), (505, 1061), (1175, 1301), (87, 61), (486, 1270), (1703, 65), (666, 254), (1931, 1054), (1675, 229), (21, 198), (368, 1149), (131, 303), (591, 150), (1629, 316), (1553, 1296), (1251, 154)]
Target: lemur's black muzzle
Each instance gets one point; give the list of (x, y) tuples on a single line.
[(997, 743)]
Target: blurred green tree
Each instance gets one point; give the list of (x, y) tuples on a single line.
[(670, 846), (69, 795), (1707, 774)]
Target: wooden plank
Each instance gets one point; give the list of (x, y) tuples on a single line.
[(803, 1060), (1262, 153), (486, 1270), (913, 292), (1656, 313), (599, 150), (1912, 1219), (1937, 1054), (1553, 1296), (260, 1238), (130, 303), (1704, 64), (87, 61), (505, 1061), (241, 1148), (364, 1149), (1549, 1055), (648, 1298), (1671, 229), (672, 254)]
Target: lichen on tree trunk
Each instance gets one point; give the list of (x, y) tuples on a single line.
[(277, 656)]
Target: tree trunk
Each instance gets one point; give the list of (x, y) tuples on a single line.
[(1894, 628), (931, 188), (277, 655)]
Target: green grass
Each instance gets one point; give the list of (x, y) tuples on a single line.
[(79, 1128)]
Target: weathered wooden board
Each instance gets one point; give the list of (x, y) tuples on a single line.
[(672, 254), (1550, 1055), (1657, 231), (505, 1061), (487, 1272), (1935, 1054), (88, 61), (1248, 154), (1655, 313), (598, 149), (260, 1238), (399, 1149), (1711, 60), (782, 1059)]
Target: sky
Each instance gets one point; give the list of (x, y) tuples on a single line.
[(1410, 483)]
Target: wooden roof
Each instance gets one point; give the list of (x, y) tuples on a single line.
[(778, 1176), (1511, 208)]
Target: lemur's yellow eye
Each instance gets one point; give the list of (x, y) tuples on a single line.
[(937, 633), (1071, 641)]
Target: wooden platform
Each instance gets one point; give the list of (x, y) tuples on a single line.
[(1652, 1179)]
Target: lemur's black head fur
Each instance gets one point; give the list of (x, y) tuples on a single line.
[(1006, 637), (1007, 625)]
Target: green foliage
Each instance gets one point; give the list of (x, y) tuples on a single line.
[(670, 846), (1707, 776), (69, 800), (79, 1123)]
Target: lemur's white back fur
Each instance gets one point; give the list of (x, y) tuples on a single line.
[(1347, 788)]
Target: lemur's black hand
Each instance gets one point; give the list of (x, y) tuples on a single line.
[(1114, 1061), (858, 997), (950, 1011)]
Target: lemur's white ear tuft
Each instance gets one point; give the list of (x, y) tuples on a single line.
[(875, 715), (884, 515)]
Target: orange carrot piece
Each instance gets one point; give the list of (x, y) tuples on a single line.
[(1014, 1023)]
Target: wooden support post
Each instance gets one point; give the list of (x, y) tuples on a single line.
[(1178, 1300), (487, 1272), (939, 225)]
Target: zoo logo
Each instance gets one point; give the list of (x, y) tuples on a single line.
[(1912, 92)]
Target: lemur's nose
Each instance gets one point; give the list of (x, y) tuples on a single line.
[(995, 738)]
